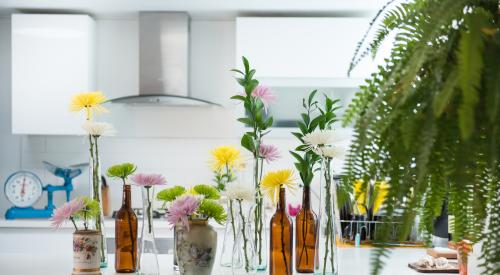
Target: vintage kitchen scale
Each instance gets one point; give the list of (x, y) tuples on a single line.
[(23, 189)]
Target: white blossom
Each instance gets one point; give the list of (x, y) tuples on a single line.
[(239, 191), (98, 128)]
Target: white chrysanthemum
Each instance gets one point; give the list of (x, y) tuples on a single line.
[(239, 191), (330, 152), (98, 128), (319, 138)]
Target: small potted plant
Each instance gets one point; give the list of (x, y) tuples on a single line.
[(86, 242), (195, 239)]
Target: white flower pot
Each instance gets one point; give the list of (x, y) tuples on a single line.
[(86, 256)]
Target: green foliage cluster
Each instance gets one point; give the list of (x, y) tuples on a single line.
[(223, 178), (170, 194), (428, 121), (121, 171), (89, 211), (256, 117), (207, 191), (314, 117), (212, 209)]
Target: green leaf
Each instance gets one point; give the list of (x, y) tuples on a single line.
[(470, 65), (248, 143), (443, 97), (238, 97), (311, 97), (246, 121)]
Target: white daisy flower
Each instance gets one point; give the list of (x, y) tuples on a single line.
[(318, 138), (330, 152), (98, 128), (239, 191)]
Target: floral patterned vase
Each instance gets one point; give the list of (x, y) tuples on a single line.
[(86, 256), (196, 248)]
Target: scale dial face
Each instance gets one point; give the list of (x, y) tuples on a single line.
[(23, 189)]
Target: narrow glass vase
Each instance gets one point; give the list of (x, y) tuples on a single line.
[(148, 254), (259, 218), (244, 253), (95, 193), (229, 257), (326, 261)]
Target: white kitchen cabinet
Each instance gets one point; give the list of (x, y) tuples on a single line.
[(302, 47), (52, 59)]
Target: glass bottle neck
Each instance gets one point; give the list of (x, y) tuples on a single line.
[(281, 206), (306, 197), (126, 202)]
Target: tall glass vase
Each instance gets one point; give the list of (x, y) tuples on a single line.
[(326, 261), (95, 193), (148, 259), (259, 218), (244, 253), (230, 258)]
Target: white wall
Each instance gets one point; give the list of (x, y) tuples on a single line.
[(179, 140)]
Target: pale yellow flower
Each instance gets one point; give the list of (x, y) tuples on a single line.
[(90, 102), (273, 181), (226, 156)]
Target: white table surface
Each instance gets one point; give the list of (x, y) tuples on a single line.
[(353, 261)]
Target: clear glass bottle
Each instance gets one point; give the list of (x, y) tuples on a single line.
[(148, 254), (126, 235), (244, 253), (326, 261), (95, 193), (305, 234), (281, 246), (229, 257), (259, 218)]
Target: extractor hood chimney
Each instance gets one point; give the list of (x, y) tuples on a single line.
[(163, 61)]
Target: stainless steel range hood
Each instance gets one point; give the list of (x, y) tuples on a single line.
[(163, 61)]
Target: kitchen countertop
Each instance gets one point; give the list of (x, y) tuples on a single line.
[(353, 261)]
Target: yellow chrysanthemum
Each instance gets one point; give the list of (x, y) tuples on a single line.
[(273, 181), (225, 156), (90, 102)]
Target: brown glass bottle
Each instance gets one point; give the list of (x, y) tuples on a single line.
[(305, 235), (126, 236), (280, 255)]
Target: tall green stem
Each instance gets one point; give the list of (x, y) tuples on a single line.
[(232, 218), (243, 229)]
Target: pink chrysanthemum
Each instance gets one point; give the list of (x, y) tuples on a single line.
[(265, 95), (268, 152), (293, 211), (181, 209), (148, 179), (65, 212)]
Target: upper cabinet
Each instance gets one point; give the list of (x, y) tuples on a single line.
[(52, 59), (302, 47)]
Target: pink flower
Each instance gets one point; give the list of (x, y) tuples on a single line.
[(66, 211), (265, 95), (181, 209), (148, 179), (268, 152), (293, 211)]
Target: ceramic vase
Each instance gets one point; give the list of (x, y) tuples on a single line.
[(196, 247), (86, 256)]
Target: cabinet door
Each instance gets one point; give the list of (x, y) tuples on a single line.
[(302, 47), (52, 59)]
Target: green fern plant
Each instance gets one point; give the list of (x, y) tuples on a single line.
[(428, 121)]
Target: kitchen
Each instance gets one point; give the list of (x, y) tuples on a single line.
[(52, 50)]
